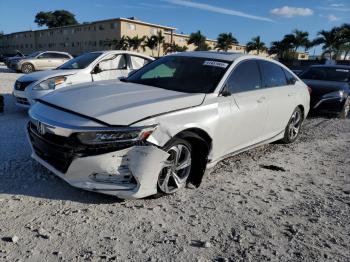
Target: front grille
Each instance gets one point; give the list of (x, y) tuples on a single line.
[(21, 86), (21, 100), (60, 151)]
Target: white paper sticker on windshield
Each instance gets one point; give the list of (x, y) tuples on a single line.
[(215, 63), (342, 70)]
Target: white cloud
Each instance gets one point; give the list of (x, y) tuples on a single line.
[(287, 11), (216, 9), (332, 18), (337, 5)]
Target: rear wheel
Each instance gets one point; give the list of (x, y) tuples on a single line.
[(346, 108), (177, 167), (27, 68), (292, 130)]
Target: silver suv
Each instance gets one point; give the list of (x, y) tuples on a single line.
[(39, 61)]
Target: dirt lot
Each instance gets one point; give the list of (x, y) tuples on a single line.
[(274, 203)]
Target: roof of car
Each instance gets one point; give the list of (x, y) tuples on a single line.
[(227, 56), (120, 51), (333, 66)]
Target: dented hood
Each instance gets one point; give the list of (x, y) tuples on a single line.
[(119, 103)]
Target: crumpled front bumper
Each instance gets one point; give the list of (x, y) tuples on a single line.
[(127, 173)]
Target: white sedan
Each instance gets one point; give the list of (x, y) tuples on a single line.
[(164, 125), (89, 67)]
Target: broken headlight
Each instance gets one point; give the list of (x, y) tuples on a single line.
[(116, 136)]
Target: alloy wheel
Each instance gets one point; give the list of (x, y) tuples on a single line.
[(176, 169), (27, 68), (294, 125)]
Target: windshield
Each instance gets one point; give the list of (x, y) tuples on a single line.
[(182, 74), (327, 74), (80, 62), (34, 54)]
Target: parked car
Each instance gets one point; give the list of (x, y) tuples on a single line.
[(89, 67), (330, 89), (165, 124), (38, 61), (8, 58)]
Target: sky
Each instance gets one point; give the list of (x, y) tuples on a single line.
[(271, 19)]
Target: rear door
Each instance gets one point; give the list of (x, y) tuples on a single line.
[(136, 62), (281, 95), (59, 59), (44, 61), (249, 106)]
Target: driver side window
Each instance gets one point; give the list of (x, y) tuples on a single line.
[(245, 77)]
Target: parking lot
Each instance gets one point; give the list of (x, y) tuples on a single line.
[(274, 203)]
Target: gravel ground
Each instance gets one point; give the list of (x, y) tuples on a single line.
[(273, 203)]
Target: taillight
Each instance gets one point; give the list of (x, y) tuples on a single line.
[(309, 89)]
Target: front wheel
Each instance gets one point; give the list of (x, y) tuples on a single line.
[(177, 167), (292, 130)]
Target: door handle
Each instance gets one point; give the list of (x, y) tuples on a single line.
[(261, 99), (291, 94)]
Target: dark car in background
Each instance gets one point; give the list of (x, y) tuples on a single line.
[(329, 89)]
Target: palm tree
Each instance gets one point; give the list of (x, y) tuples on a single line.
[(170, 48), (198, 40), (135, 42), (160, 40), (225, 41), (345, 40), (255, 44), (300, 39), (151, 43), (122, 44), (330, 41)]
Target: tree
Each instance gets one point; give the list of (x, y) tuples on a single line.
[(120, 44), (56, 18), (151, 43), (301, 39), (330, 41), (160, 40), (225, 41), (135, 42), (256, 44), (345, 40), (171, 48), (199, 41)]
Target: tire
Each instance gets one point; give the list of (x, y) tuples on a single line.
[(27, 68), (346, 108), (177, 168), (293, 127)]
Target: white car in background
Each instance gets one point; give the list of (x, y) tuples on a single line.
[(165, 124), (89, 67)]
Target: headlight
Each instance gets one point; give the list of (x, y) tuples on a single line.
[(336, 94), (50, 83), (117, 136)]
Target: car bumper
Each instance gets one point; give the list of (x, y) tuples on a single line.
[(329, 105), (127, 173), (21, 99), (28, 97)]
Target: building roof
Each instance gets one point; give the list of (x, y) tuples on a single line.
[(96, 22), (227, 56)]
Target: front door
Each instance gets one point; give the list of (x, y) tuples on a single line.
[(248, 107), (112, 67)]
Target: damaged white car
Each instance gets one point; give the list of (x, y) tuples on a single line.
[(165, 124)]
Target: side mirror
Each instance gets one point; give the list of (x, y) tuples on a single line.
[(96, 70), (225, 91)]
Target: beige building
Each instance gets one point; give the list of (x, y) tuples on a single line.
[(88, 37)]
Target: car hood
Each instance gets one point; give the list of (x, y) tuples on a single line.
[(42, 75), (119, 103), (320, 88)]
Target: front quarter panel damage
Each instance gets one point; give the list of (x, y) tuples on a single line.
[(145, 164)]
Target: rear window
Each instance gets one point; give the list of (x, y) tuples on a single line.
[(327, 74)]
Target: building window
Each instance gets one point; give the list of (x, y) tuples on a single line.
[(114, 25), (131, 26), (153, 31), (101, 27)]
